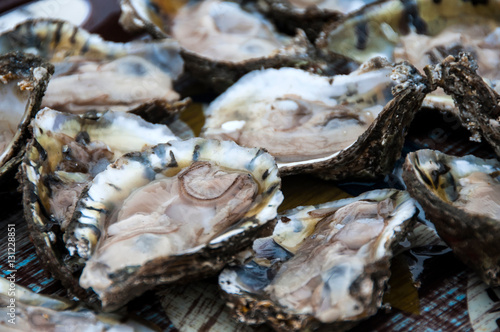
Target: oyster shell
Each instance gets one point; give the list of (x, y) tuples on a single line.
[(337, 127), (461, 196), (35, 312), (477, 102), (324, 264), (171, 213), (93, 74), (309, 15), (23, 80), (66, 152), (229, 41)]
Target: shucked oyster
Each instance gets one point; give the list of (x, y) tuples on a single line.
[(67, 151), (23, 79), (337, 127), (461, 196), (226, 42), (323, 264), (93, 74), (34, 312), (176, 211)]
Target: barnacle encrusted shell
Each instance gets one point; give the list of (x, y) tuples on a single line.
[(345, 126), (92, 74), (65, 153), (37, 312), (477, 102), (23, 80), (174, 212), (324, 264), (227, 41), (461, 196)]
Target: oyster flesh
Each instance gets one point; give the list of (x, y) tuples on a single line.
[(335, 127), (67, 151), (228, 41), (461, 196), (23, 80), (171, 213), (324, 264), (96, 75)]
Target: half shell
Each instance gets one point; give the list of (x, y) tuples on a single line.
[(66, 152), (324, 264), (96, 75), (228, 41), (177, 211), (346, 126), (461, 196), (23, 80)]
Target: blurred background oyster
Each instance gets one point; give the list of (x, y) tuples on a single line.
[(96, 75)]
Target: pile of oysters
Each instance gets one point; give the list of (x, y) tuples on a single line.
[(121, 197)]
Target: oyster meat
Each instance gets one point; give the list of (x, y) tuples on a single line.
[(461, 196), (324, 264), (174, 212), (23, 80), (228, 41), (67, 151), (336, 127), (93, 74)]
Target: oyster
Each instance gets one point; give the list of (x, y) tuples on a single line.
[(66, 152), (477, 102), (228, 42), (324, 264), (171, 213), (23, 310), (336, 127), (421, 32), (23, 80), (93, 74), (461, 196)]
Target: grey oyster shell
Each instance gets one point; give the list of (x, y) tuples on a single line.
[(36, 312), (323, 264), (340, 127), (461, 196), (477, 102), (172, 213), (65, 153), (228, 42), (23, 80), (92, 74)]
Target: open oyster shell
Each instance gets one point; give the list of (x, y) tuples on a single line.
[(324, 264), (421, 32), (461, 196), (228, 42), (35, 312), (23, 80), (174, 212), (66, 152), (346, 126), (96, 75)]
